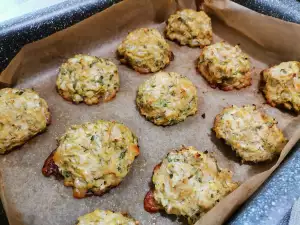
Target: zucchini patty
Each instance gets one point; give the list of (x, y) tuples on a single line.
[(106, 217), (189, 27), (93, 157), (282, 85), (253, 135), (188, 183), (167, 98), (225, 66), (88, 79), (23, 114), (145, 50)]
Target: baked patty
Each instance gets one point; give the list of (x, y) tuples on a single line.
[(145, 50), (253, 135), (93, 157), (167, 98), (106, 217), (88, 79), (225, 66), (188, 183), (189, 27), (281, 85), (23, 114)]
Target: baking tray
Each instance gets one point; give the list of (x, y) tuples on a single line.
[(17, 32), (290, 159), (272, 203)]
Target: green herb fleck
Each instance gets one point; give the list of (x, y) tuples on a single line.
[(122, 155), (19, 92), (283, 71), (66, 173), (93, 137)]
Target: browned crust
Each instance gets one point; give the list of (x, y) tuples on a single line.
[(83, 193), (143, 70), (283, 106), (262, 85), (189, 45), (157, 167), (50, 168), (217, 120), (150, 204), (135, 148), (68, 98), (203, 70), (112, 96), (262, 82)]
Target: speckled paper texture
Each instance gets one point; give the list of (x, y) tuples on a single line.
[(30, 198)]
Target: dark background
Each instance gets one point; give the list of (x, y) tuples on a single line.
[(38, 21)]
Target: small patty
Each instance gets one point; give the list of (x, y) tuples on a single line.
[(145, 50), (23, 114), (253, 135), (188, 183), (167, 98), (189, 27), (106, 217), (88, 79), (225, 66), (93, 157), (282, 85)]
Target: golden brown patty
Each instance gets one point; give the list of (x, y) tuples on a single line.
[(167, 98), (188, 183), (254, 136), (88, 78), (93, 157), (225, 66), (106, 217), (145, 50), (282, 85), (190, 27), (23, 114)]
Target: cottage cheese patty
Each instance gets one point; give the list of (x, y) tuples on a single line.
[(167, 98), (254, 136), (225, 66), (93, 157), (88, 79), (188, 183), (105, 217), (23, 114), (282, 85), (189, 27), (145, 50)]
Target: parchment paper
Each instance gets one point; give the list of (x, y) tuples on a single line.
[(31, 199)]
